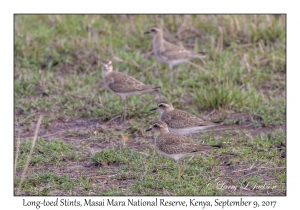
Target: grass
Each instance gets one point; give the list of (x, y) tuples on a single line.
[(55, 151), (57, 73)]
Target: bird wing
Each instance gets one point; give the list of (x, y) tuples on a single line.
[(172, 143), (181, 119), (175, 52), (119, 82), (125, 79)]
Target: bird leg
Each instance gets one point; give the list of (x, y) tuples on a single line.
[(206, 117), (156, 70), (191, 158), (171, 74), (123, 117), (176, 73), (184, 165), (179, 170), (157, 96)]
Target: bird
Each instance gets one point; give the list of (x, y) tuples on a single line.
[(168, 53), (176, 146), (180, 121), (123, 85)]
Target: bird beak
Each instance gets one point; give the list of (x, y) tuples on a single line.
[(149, 129), (147, 32), (155, 108)]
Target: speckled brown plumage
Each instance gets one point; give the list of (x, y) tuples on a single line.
[(179, 121), (172, 143), (168, 53), (175, 146), (121, 83)]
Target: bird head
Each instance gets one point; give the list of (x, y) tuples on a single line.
[(163, 106), (106, 66), (154, 31), (159, 127)]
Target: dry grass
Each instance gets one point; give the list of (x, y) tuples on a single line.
[(29, 155)]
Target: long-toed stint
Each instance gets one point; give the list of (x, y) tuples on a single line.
[(168, 53), (123, 85), (175, 146), (179, 121)]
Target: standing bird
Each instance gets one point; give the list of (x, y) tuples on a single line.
[(175, 146), (123, 85), (168, 53), (179, 121)]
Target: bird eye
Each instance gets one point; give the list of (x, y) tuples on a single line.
[(161, 105), (155, 126), (152, 30)]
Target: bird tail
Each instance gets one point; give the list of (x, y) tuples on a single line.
[(209, 124), (207, 147), (221, 145), (215, 146), (156, 87), (201, 55)]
